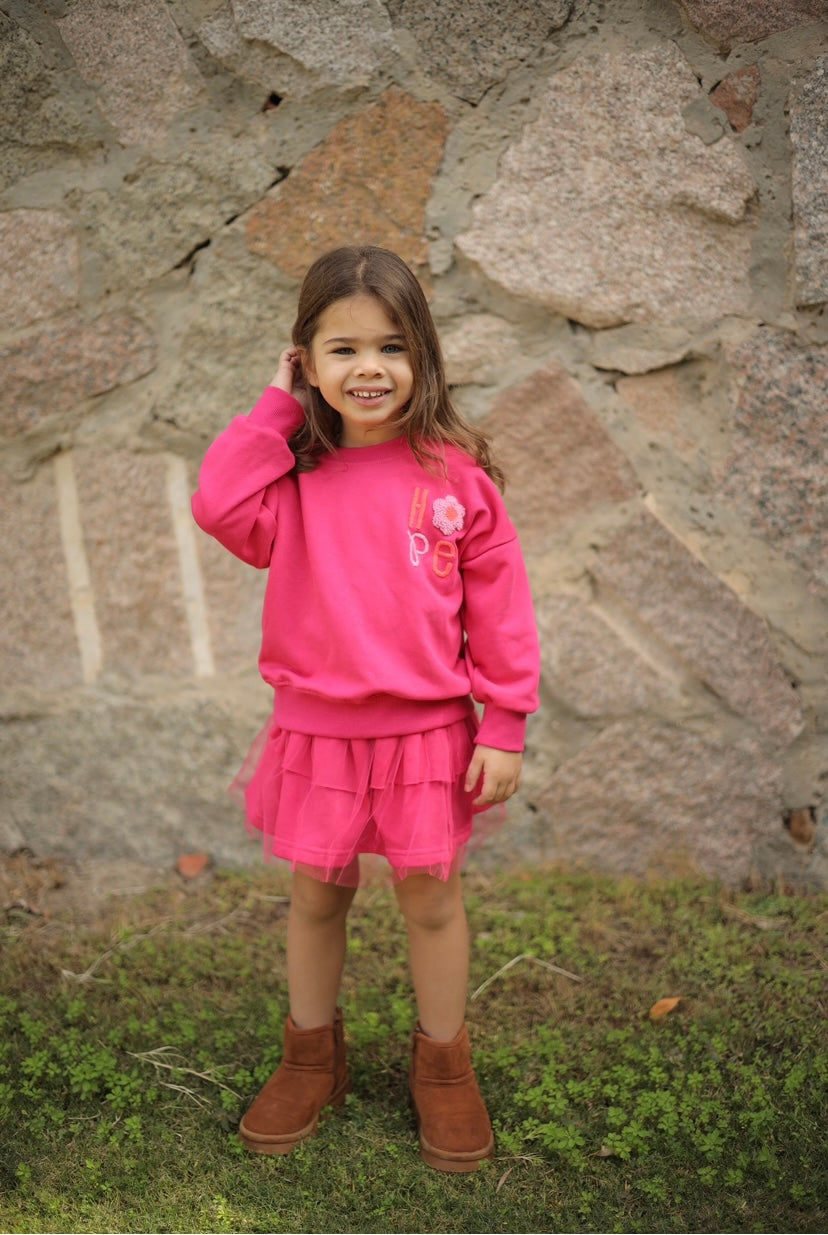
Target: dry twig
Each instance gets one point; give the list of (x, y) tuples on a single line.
[(154, 1057), (88, 975), (535, 960)]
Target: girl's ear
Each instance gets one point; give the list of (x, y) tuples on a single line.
[(308, 367)]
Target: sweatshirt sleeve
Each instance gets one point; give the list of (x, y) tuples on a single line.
[(236, 499), (502, 650)]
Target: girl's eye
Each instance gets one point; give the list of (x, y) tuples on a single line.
[(393, 348), (343, 351)]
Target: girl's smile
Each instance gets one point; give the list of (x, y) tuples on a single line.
[(360, 362)]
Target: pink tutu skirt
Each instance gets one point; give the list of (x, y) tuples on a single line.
[(320, 802)]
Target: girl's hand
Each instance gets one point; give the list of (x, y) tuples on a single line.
[(289, 371), (500, 770)]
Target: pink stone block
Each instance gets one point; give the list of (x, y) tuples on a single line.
[(360, 184), (39, 272), (49, 370), (38, 648), (776, 474), (736, 96), (704, 623), (808, 106), (608, 210), (587, 666), (133, 562), (657, 401), (134, 57), (653, 798), (728, 22), (559, 460)]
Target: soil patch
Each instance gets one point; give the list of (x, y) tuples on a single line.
[(33, 887)]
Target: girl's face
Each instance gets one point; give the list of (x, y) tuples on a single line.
[(360, 362)]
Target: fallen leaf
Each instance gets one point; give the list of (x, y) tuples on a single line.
[(191, 865), (662, 1007), (802, 825)]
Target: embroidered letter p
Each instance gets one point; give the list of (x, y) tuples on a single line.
[(418, 545)]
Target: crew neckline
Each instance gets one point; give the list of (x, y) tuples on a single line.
[(374, 454)]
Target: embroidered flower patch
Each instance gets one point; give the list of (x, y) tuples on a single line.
[(448, 514)]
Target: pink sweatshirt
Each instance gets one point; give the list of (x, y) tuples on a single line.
[(377, 568)]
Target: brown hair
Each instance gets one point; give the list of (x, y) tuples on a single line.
[(430, 418)]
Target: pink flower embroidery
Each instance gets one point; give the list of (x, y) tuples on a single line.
[(448, 514)]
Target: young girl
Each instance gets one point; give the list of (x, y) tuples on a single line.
[(396, 594)]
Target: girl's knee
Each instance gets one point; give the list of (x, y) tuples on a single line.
[(322, 902), (430, 903)]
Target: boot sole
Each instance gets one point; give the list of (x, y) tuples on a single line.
[(260, 1144), (457, 1163), (443, 1160)]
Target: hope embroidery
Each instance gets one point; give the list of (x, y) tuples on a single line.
[(447, 517)]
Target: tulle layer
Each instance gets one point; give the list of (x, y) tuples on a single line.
[(320, 802)]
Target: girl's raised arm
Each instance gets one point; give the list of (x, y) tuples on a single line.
[(236, 499)]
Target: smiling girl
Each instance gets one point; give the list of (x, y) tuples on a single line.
[(396, 596)]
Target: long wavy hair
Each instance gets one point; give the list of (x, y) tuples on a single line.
[(430, 419)]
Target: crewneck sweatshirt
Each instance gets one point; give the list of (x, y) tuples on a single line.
[(395, 593)]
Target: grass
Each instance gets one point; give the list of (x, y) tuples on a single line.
[(128, 1051)]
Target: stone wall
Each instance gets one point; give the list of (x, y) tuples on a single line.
[(619, 212)]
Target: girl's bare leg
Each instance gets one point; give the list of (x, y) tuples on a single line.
[(315, 948), (438, 945)]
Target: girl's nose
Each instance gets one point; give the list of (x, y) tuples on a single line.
[(369, 363)]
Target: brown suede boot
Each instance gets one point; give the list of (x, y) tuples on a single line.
[(454, 1126), (312, 1075)]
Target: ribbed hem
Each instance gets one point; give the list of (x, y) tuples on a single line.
[(373, 717)]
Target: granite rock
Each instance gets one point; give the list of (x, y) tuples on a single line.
[(49, 370), (252, 59), (235, 321), (133, 562), (359, 187), (690, 611), (39, 274), (471, 46), (639, 348), (588, 667), (649, 798), (809, 140), (116, 775), (568, 226), (37, 634), (342, 41), (728, 22), (776, 473), (658, 406), (39, 123), (559, 460), (477, 349), (137, 62), (736, 95)]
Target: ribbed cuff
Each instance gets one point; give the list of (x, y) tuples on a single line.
[(278, 410), (502, 729)]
